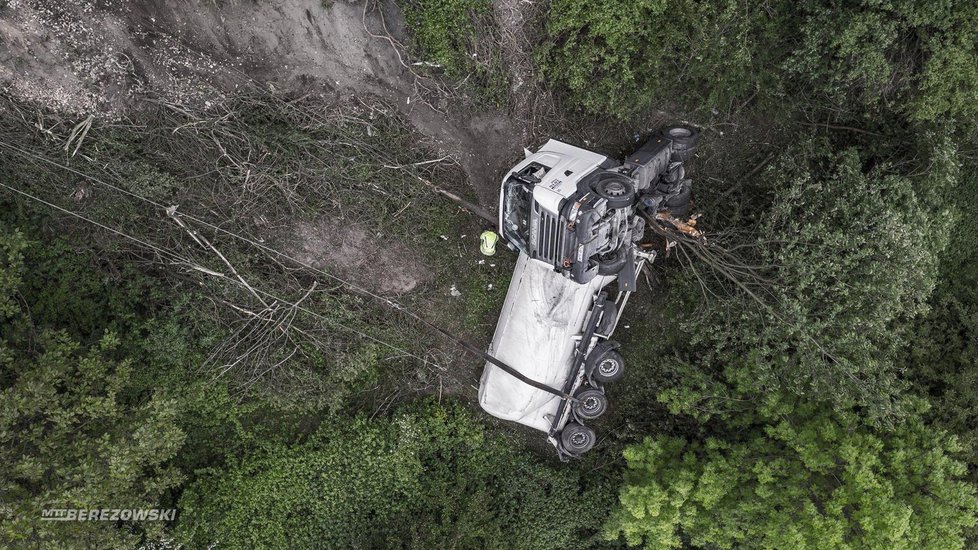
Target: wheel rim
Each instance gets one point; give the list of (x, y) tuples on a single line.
[(608, 367), (591, 404), (615, 188), (679, 132), (580, 439)]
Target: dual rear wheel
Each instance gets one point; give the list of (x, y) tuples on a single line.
[(605, 365), (577, 438), (591, 403)]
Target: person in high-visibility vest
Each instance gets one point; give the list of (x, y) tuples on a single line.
[(488, 242)]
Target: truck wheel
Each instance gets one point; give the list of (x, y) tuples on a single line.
[(683, 196), (684, 139), (611, 265), (617, 189), (675, 174), (591, 403), (608, 367), (577, 439), (679, 205)]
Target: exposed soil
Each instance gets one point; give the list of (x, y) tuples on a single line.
[(108, 57), (357, 256)]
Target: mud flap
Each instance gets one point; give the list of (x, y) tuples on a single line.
[(628, 276)]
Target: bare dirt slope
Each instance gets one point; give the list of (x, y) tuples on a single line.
[(104, 57), (351, 252)]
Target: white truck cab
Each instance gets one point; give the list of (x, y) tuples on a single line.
[(571, 215)]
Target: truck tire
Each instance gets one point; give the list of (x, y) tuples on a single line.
[(611, 265), (666, 188), (678, 205), (577, 439), (591, 403), (617, 189), (684, 139), (609, 366), (675, 174)]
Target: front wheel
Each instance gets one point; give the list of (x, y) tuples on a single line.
[(577, 439), (617, 189), (613, 263)]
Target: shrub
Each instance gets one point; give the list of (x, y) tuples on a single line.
[(622, 57), (460, 38), (429, 477), (811, 479), (847, 260)]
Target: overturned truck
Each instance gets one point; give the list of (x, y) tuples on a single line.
[(574, 217)]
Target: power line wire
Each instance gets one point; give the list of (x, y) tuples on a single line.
[(298, 306), (219, 229), (464, 344)]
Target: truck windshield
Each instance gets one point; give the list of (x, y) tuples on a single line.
[(517, 197)]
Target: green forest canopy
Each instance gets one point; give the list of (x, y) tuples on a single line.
[(825, 397)]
